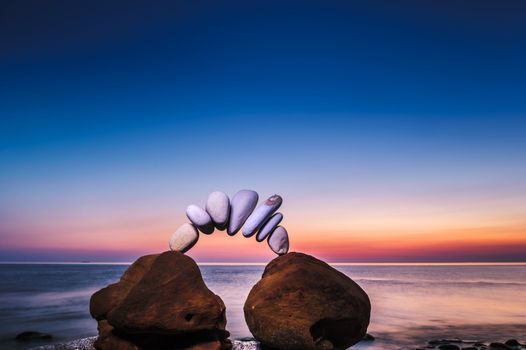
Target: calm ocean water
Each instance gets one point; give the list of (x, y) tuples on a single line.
[(411, 304)]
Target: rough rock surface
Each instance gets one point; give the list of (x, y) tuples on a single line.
[(108, 298), (303, 303), (161, 302)]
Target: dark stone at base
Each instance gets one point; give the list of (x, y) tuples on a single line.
[(368, 337), (498, 346), (512, 342), (448, 347), (31, 335)]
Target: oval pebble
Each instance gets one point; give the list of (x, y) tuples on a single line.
[(241, 206), (218, 207), (269, 226), (261, 215), (279, 241), (184, 238), (200, 218)]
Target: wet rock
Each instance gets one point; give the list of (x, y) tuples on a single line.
[(262, 213), (32, 335), (200, 218), (241, 206), (512, 343), (448, 347), (303, 303), (184, 238), (368, 337), (498, 346)]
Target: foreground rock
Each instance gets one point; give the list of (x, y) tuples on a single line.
[(303, 303), (161, 302)]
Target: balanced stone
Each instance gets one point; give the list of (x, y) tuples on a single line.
[(200, 218), (218, 207), (241, 206), (261, 215), (269, 226), (184, 238), (279, 241)]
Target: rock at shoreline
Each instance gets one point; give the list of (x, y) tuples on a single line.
[(161, 302), (32, 335), (301, 303), (110, 297)]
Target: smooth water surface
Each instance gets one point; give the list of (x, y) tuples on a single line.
[(411, 304)]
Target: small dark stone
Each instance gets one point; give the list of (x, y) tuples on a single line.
[(368, 337), (448, 347), (512, 342), (31, 335), (498, 346), (479, 344), (470, 348)]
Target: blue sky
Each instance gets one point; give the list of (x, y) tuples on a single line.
[(114, 106)]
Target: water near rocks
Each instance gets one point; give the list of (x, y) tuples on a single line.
[(410, 304)]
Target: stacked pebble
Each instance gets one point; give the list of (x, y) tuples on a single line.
[(222, 213)]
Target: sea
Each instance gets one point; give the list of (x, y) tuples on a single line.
[(411, 303)]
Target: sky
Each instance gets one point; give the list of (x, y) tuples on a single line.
[(394, 131)]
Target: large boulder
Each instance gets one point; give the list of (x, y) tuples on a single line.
[(302, 303), (108, 298), (161, 302)]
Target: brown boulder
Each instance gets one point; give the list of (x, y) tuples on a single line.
[(161, 302), (171, 298), (108, 298), (302, 303)]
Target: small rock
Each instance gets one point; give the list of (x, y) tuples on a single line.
[(200, 218), (246, 344), (498, 346), (184, 238), (241, 206), (512, 342), (470, 348), (261, 215), (32, 335), (448, 347), (279, 241), (218, 207), (269, 226)]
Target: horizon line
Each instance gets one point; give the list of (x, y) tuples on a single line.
[(225, 263)]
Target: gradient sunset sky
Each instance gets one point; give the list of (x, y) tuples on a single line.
[(395, 131)]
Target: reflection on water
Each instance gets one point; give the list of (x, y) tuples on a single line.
[(411, 304)]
